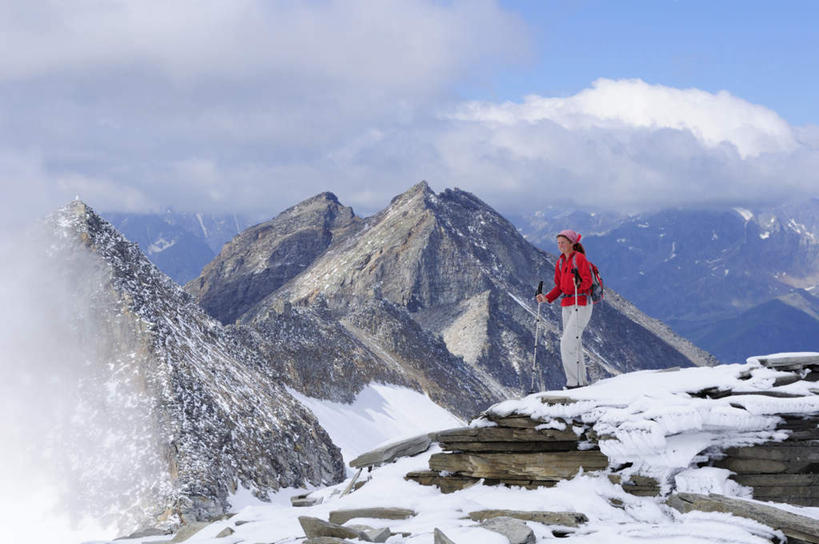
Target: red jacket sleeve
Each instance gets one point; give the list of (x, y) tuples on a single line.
[(555, 292)]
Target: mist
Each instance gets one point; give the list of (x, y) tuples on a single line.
[(80, 443)]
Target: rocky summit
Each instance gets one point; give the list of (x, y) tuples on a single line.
[(187, 411), (262, 258), (434, 283)]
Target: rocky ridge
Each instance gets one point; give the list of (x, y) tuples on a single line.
[(212, 414), (262, 258)]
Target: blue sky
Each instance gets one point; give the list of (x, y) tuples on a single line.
[(252, 106), (764, 52)]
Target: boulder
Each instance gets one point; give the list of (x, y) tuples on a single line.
[(304, 499), (373, 535), (515, 530), (227, 531), (314, 527), (343, 516), (441, 538)]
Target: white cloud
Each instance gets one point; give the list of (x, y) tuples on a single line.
[(627, 145), (389, 44), (714, 119), (222, 104), (241, 105)]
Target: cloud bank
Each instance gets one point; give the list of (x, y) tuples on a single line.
[(251, 106)]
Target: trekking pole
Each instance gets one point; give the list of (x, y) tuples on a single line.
[(577, 324), (537, 339)]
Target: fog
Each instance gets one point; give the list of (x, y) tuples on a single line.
[(79, 442)]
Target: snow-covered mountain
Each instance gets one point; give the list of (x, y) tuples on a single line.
[(430, 278), (540, 226), (182, 412)]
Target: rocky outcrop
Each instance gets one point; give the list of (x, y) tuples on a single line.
[(515, 530), (211, 414), (264, 257), (512, 452), (521, 450)]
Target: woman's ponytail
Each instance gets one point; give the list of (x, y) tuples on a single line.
[(579, 247)]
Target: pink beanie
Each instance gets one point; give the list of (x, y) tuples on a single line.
[(571, 235)]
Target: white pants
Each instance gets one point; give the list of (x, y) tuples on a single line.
[(575, 319)]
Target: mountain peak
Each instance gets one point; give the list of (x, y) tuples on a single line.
[(78, 220), (326, 196), (73, 211), (321, 204), (419, 190), (264, 257)]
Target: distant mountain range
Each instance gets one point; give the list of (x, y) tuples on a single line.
[(180, 244), (709, 274)]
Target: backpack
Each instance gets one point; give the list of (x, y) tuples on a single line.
[(596, 292)]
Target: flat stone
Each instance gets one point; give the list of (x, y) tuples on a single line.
[(557, 399), (227, 531), (314, 527), (441, 538), (640, 486), (533, 466), (447, 484), (373, 535), (509, 447), (304, 500), (391, 452), (343, 516), (794, 361), (326, 540), (568, 519), (515, 421), (505, 434), (515, 530)]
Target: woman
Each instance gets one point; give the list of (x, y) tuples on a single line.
[(572, 275)]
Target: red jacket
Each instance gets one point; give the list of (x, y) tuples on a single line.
[(564, 280)]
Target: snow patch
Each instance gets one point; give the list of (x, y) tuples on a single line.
[(204, 228), (160, 245), (747, 215), (379, 415)]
